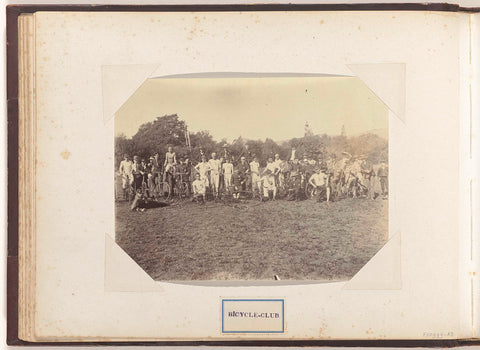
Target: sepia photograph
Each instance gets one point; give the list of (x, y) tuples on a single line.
[(248, 178)]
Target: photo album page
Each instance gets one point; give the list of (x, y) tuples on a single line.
[(251, 175)]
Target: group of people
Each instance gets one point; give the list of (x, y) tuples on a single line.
[(295, 179), (221, 175)]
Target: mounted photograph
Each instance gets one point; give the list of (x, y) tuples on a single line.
[(245, 178)]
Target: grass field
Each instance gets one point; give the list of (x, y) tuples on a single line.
[(253, 240)]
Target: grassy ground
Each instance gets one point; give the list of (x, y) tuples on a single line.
[(253, 240)]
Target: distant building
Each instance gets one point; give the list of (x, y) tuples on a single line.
[(308, 131), (343, 133)]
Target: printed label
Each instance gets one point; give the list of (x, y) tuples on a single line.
[(253, 316)]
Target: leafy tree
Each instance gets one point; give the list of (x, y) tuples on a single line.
[(156, 136), (202, 140), (169, 130), (311, 146), (314, 146), (255, 147), (123, 146), (270, 148)]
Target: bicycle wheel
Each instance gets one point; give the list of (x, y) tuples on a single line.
[(130, 192), (310, 191), (181, 189), (162, 191), (257, 195)]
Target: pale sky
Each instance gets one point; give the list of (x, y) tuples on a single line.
[(256, 108)]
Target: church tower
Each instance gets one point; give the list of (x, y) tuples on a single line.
[(308, 131)]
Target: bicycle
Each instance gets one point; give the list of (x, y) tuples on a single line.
[(180, 188), (232, 194), (161, 191), (355, 188)]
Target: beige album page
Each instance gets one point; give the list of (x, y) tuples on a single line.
[(252, 175)]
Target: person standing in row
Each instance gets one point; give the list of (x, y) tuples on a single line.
[(156, 171), (188, 176), (295, 192), (255, 171), (227, 169), (243, 171), (369, 178), (203, 168), (278, 170), (221, 185), (138, 172), (320, 182), (215, 168), (126, 171), (382, 175)]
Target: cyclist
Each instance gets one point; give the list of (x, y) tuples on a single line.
[(169, 168), (170, 159)]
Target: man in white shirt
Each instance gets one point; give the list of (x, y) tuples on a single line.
[(215, 168), (268, 181), (126, 171), (319, 181), (199, 189), (227, 168), (203, 168), (277, 160), (255, 171), (272, 167)]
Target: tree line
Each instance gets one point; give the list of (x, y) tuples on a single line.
[(170, 130)]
